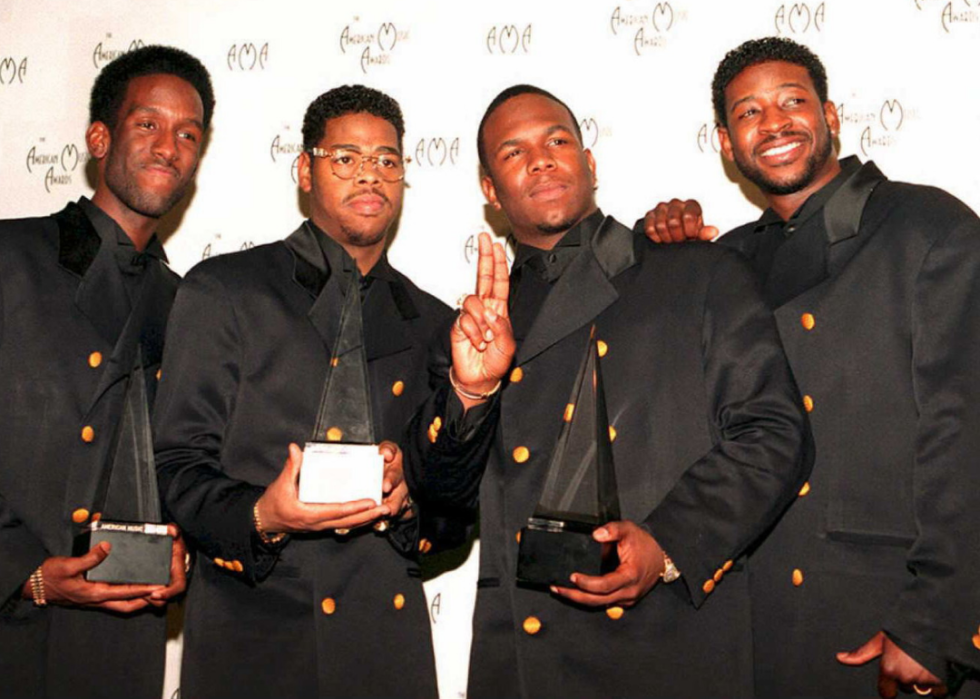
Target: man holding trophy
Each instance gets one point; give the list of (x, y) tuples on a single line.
[(624, 455), (307, 588)]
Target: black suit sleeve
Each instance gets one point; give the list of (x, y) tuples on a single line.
[(196, 398), (939, 609), (22, 553), (728, 498)]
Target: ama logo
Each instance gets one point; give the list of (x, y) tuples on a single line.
[(247, 56), (799, 18), (509, 39)]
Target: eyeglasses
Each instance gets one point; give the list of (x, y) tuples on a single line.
[(347, 164)]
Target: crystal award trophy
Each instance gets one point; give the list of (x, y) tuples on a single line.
[(341, 461), (141, 545), (579, 493)]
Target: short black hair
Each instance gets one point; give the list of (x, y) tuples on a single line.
[(756, 51), (515, 91), (109, 90), (349, 99)]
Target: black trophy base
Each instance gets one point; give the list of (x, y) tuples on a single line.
[(140, 553), (551, 550)]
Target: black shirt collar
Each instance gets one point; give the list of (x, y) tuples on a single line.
[(550, 264), (338, 259), (112, 234), (816, 201)]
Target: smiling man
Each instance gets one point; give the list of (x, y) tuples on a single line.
[(300, 600), (708, 433), (85, 295), (875, 286)]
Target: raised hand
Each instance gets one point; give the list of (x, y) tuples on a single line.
[(482, 339), (677, 221)]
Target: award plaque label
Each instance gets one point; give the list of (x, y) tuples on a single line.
[(140, 555), (579, 493), (341, 461), (338, 472)]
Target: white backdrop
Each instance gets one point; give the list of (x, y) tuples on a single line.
[(637, 73)]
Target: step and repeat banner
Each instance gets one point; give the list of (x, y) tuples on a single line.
[(637, 74)]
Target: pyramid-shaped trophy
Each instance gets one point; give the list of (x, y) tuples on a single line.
[(131, 519), (579, 493), (341, 461)]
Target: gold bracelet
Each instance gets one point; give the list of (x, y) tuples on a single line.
[(472, 396), (37, 588), (266, 539)]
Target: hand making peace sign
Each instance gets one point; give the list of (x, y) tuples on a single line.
[(482, 339)]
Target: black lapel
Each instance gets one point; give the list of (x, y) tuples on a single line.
[(312, 272), (101, 295), (842, 214), (584, 290), (387, 312)]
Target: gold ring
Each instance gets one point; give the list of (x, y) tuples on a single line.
[(381, 526), (187, 562), (341, 531), (922, 692)]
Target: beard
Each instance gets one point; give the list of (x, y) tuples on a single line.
[(823, 149), (362, 239), (145, 203)]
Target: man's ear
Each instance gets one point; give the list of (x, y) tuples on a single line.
[(98, 138), (726, 144), (832, 118), (489, 191), (590, 159), (304, 172)]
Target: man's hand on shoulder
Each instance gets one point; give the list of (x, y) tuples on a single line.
[(677, 221), (641, 563)]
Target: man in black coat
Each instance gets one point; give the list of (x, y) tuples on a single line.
[(708, 433), (296, 599), (83, 292), (875, 286)]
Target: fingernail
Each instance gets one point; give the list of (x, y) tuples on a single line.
[(488, 335), (482, 346), (553, 589)]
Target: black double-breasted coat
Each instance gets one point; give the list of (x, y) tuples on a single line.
[(66, 353), (322, 615), (884, 344), (709, 446)]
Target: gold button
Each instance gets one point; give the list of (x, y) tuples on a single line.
[(569, 412), (219, 562), (237, 566), (805, 489), (728, 566), (615, 613), (95, 359), (719, 574), (159, 374), (709, 586), (334, 434), (432, 434), (437, 423), (399, 601), (425, 545), (335, 361), (797, 577), (976, 641), (532, 625), (398, 388), (808, 403), (88, 433), (808, 321), (328, 605), (603, 348), (518, 536), (79, 515), (516, 375), (612, 433), (521, 454)]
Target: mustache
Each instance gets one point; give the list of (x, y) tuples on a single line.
[(160, 162), (377, 192), (783, 134)]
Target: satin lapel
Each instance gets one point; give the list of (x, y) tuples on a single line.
[(584, 290), (101, 295), (145, 326), (312, 273), (386, 319), (842, 214)]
